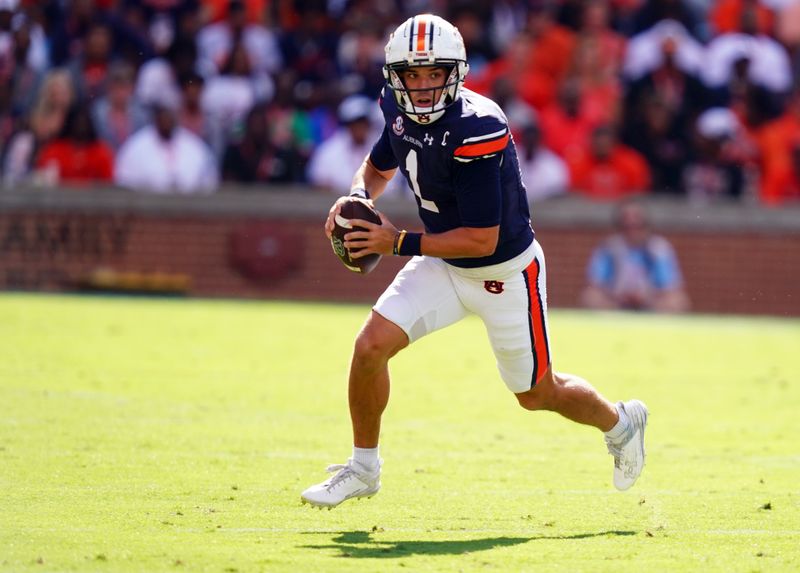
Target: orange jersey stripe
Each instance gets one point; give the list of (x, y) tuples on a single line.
[(421, 36), (541, 352), (482, 147)]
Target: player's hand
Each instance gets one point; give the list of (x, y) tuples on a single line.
[(338, 207), (375, 239)]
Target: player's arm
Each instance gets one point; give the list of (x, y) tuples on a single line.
[(370, 180), (479, 204)]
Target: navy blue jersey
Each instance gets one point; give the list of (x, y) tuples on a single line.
[(463, 169)]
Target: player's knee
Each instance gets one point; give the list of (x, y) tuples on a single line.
[(369, 347), (533, 399), (375, 344), (541, 396)]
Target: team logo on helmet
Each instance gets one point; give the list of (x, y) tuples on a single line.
[(397, 126)]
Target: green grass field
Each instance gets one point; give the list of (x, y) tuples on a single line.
[(158, 435)]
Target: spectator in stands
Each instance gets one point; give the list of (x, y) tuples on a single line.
[(776, 142), (164, 157), (676, 85), (666, 45), (193, 117), (635, 269), (161, 74), (227, 97), (715, 169), (44, 122), (534, 86), (23, 53), (655, 132), (518, 112), (311, 45), (89, 69), (471, 20), (747, 59), (77, 155), (543, 172), (608, 169), (118, 114), (654, 11), (257, 158), (597, 61), (726, 16), (216, 42), (333, 163), (67, 25), (782, 184), (552, 48), (360, 57), (566, 124)]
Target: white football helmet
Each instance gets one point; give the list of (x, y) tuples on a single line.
[(426, 40)]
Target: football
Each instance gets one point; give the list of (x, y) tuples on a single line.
[(354, 208)]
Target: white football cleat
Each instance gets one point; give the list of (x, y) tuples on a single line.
[(628, 450), (349, 481)]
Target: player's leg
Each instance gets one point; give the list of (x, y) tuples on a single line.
[(420, 300), (516, 321), (368, 390), (572, 397)]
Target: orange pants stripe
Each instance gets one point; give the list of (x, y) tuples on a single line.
[(539, 343)]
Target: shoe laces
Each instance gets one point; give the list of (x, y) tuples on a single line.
[(343, 472)]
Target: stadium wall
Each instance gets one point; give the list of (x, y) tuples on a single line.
[(270, 244)]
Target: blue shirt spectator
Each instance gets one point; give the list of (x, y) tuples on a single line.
[(635, 269)]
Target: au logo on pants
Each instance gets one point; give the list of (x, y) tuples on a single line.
[(494, 287)]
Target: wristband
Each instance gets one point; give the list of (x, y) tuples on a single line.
[(410, 245), (359, 192)]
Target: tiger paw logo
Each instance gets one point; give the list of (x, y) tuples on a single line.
[(494, 287)]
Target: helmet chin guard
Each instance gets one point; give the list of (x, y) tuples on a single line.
[(425, 40)]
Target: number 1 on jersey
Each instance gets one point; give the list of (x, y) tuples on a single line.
[(413, 169)]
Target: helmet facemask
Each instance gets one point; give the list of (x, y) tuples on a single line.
[(403, 94)]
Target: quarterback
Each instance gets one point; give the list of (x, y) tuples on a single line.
[(478, 255)]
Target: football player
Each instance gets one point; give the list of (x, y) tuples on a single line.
[(477, 255)]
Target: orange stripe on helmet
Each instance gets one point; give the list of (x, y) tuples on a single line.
[(421, 35), (482, 148)]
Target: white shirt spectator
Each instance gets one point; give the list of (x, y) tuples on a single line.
[(644, 52), (226, 100), (544, 175), (182, 164), (770, 66), (155, 77), (335, 161), (214, 43)]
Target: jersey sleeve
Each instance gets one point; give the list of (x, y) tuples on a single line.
[(480, 201), (382, 156), (493, 140)]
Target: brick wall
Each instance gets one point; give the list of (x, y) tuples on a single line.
[(281, 252)]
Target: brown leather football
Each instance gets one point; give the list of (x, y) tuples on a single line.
[(353, 208)]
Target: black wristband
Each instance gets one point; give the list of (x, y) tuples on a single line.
[(359, 192), (411, 245)]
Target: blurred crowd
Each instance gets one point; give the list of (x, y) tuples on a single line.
[(608, 98)]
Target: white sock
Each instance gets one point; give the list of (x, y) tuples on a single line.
[(620, 427), (366, 457)]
